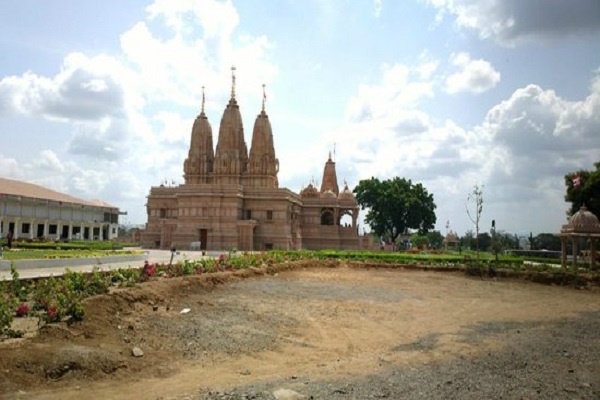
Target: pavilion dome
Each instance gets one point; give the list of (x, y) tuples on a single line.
[(346, 194), (452, 237), (583, 221)]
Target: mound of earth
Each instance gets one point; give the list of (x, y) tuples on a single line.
[(311, 330)]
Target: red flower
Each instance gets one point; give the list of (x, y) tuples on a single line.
[(22, 310), (52, 312), (148, 270)]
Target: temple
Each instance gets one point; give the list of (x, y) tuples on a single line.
[(231, 198)]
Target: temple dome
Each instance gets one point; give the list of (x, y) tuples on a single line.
[(346, 194), (309, 191)]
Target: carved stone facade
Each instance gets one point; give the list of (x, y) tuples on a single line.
[(231, 198)]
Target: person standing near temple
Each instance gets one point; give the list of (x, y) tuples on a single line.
[(9, 239)]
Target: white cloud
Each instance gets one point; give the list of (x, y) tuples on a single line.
[(10, 167), (510, 22), (543, 135), (378, 5), (401, 88), (49, 161), (85, 89), (475, 76), (427, 69), (201, 47), (218, 19)]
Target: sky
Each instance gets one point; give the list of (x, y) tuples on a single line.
[(97, 99)]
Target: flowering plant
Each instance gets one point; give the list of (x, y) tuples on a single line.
[(148, 271), (22, 310)]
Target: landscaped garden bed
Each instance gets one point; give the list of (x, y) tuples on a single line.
[(60, 298)]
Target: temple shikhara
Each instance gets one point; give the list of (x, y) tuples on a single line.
[(231, 197)]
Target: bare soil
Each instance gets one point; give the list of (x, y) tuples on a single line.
[(326, 332)]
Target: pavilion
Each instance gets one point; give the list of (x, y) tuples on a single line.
[(583, 224)]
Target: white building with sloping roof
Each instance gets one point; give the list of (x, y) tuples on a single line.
[(31, 211)]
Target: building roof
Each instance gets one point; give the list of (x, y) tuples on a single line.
[(13, 187)]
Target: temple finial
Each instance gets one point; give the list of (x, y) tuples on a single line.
[(233, 82), (203, 101), (264, 98), (329, 155)]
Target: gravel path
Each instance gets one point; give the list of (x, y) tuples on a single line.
[(536, 362)]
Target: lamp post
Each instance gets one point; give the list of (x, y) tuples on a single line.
[(495, 246)]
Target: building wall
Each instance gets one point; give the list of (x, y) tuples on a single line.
[(275, 218), (31, 218)]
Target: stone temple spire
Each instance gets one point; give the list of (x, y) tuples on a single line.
[(231, 157), (203, 101), (329, 181), (263, 165), (198, 165), (233, 82)]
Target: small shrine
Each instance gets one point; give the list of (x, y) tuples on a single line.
[(583, 224), (451, 241)]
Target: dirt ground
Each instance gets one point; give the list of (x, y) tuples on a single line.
[(325, 332)]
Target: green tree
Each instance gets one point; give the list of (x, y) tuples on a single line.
[(583, 188), (419, 241), (507, 241), (531, 241), (395, 206), (436, 240), (485, 241), (547, 241), (468, 240)]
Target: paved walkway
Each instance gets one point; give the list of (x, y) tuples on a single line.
[(153, 256)]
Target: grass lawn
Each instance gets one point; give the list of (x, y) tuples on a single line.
[(26, 254)]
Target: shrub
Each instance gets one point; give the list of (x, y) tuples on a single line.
[(7, 306)]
